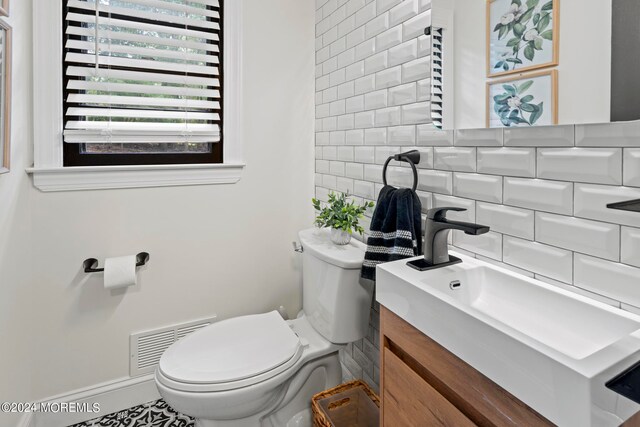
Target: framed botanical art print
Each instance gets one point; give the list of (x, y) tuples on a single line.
[(4, 7), (523, 101), (522, 35), (5, 95)]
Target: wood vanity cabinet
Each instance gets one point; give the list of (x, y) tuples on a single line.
[(633, 421), (423, 384)]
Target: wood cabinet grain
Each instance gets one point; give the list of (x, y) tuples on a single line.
[(412, 401), (422, 383)]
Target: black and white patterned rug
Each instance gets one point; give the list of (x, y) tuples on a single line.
[(152, 414)]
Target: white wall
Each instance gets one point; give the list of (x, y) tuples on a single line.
[(15, 231), (222, 250), (584, 71)]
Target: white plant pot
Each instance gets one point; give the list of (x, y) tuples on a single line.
[(340, 237)]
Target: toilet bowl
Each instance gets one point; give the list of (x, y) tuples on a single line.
[(260, 370)]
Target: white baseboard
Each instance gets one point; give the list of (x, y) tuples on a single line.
[(112, 396)]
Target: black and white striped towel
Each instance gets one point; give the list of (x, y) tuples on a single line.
[(395, 232)]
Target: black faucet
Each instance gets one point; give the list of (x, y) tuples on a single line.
[(437, 230), (436, 252)]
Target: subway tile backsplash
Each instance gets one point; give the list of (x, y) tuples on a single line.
[(630, 246), (461, 159), (581, 235), (543, 190), (595, 165), (479, 137), (478, 186), (506, 219), (605, 135), (613, 280), (538, 194), (507, 161), (546, 136), (545, 260), (590, 201)]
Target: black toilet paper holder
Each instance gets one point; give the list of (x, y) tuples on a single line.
[(90, 265)]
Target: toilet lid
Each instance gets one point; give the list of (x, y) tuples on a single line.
[(232, 350)]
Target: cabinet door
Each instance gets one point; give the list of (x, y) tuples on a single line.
[(409, 401)]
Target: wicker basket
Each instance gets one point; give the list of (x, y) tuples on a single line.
[(338, 399)]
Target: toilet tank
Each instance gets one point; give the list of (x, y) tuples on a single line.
[(333, 300)]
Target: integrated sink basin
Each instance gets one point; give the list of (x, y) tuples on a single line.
[(558, 320), (551, 348)]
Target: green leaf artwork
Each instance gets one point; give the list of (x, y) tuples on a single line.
[(525, 86), (526, 29), (514, 107)]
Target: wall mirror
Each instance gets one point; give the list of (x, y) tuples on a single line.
[(5, 95), (538, 62)]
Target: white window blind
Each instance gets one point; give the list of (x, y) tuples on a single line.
[(143, 71)]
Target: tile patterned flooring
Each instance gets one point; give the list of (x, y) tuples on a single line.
[(152, 414)]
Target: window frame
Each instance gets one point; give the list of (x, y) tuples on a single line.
[(50, 173)]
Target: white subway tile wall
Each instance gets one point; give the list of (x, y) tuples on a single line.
[(546, 136), (479, 137), (595, 165), (461, 159), (506, 219), (507, 161), (543, 191), (477, 186)]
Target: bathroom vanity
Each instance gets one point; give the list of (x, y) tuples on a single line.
[(475, 344), (422, 383)]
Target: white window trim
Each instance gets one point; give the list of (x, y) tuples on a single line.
[(48, 171)]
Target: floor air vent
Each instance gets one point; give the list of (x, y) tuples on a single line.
[(147, 347)]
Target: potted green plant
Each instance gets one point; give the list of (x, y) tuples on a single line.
[(341, 215)]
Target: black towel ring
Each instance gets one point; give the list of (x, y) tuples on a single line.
[(412, 157)]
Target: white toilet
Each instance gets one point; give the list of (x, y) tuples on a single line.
[(260, 370)]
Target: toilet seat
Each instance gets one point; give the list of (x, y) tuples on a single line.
[(230, 354)]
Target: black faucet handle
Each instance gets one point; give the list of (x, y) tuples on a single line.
[(439, 214)]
